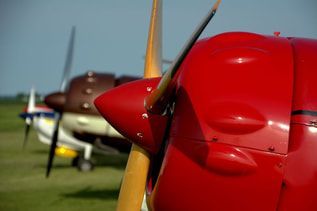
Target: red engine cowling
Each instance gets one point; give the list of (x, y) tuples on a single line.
[(300, 179), (230, 130), (243, 133)]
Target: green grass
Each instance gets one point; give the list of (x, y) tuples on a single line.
[(23, 185)]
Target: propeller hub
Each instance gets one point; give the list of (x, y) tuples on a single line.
[(123, 107), (56, 101)]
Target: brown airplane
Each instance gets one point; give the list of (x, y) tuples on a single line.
[(70, 123)]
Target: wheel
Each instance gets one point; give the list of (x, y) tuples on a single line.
[(85, 165)]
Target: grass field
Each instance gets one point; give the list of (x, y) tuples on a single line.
[(23, 185)]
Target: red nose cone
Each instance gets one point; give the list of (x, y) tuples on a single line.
[(56, 101), (123, 108)]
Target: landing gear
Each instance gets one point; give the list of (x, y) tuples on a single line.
[(82, 164), (85, 165)]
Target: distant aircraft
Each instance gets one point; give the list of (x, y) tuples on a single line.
[(42, 119), (232, 124), (70, 122)]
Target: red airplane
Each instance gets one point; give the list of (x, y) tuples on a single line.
[(232, 124)]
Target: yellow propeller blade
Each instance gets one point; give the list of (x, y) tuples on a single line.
[(153, 57), (134, 180)]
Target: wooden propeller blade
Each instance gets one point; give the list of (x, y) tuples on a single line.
[(155, 102), (53, 145), (134, 180), (69, 60), (153, 57)]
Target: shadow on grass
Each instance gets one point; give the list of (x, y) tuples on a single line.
[(89, 193), (40, 151), (55, 166), (117, 161)]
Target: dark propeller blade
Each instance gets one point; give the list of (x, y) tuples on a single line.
[(63, 86), (69, 60), (53, 146), (26, 134)]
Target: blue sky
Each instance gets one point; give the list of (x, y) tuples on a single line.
[(112, 34)]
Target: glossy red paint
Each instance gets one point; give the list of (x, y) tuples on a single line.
[(124, 108), (300, 180), (305, 57), (235, 118), (234, 89), (237, 88), (187, 182), (243, 134)]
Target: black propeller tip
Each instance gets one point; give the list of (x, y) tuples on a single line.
[(26, 135), (53, 146)]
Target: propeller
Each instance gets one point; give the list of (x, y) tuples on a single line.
[(134, 180), (157, 101), (29, 115), (164, 61), (150, 131), (59, 113)]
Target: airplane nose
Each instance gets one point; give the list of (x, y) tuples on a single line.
[(56, 101), (123, 107)]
